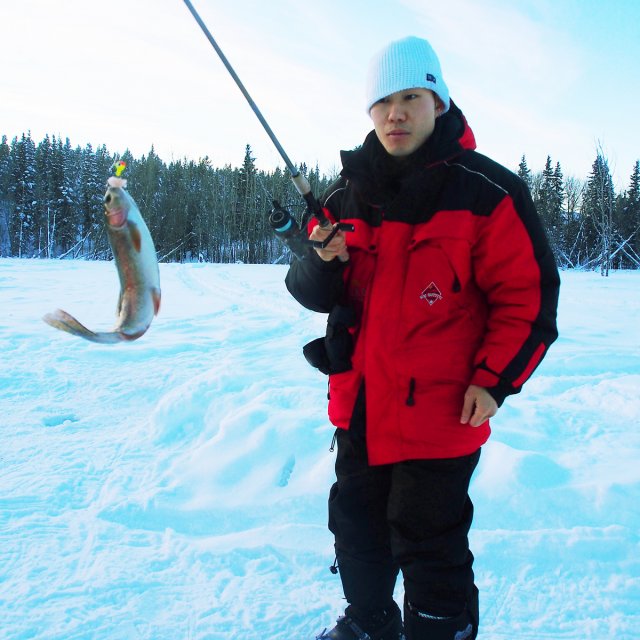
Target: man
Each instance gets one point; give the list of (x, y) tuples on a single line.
[(441, 303)]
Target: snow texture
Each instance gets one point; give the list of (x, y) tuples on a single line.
[(175, 488)]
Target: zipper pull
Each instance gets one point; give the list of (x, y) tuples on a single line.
[(410, 401)]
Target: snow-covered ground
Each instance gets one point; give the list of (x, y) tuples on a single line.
[(175, 488)]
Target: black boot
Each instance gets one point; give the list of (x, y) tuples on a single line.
[(420, 625), (384, 624)]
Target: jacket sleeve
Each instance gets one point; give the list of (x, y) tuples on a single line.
[(314, 283), (515, 268)]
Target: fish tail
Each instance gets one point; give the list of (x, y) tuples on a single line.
[(60, 319)]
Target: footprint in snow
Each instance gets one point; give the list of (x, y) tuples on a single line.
[(286, 472), (59, 420)]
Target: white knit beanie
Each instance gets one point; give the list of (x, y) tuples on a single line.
[(409, 63)]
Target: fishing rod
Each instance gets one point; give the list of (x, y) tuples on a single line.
[(282, 222)]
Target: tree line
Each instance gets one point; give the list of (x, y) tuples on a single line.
[(51, 203), (51, 206), (589, 225)]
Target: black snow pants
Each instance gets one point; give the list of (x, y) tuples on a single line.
[(411, 516)]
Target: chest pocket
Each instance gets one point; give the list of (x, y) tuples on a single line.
[(363, 237), (438, 274), (453, 232)]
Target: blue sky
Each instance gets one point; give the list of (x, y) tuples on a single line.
[(539, 78)]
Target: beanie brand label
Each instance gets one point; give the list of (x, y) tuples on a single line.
[(431, 78)]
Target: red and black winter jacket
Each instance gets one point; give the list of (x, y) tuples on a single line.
[(451, 281)]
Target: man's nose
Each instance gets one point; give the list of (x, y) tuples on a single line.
[(396, 113)]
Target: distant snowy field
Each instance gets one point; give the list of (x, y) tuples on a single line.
[(175, 488)]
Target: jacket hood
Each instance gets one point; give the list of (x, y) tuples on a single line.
[(378, 177)]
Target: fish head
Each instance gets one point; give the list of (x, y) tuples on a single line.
[(116, 203)]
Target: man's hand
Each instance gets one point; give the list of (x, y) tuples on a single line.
[(337, 248), (478, 406)]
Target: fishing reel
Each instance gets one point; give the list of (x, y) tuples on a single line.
[(289, 232)]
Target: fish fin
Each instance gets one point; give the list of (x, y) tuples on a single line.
[(136, 238), (64, 321), (155, 294)]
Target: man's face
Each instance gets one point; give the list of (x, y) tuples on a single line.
[(404, 120)]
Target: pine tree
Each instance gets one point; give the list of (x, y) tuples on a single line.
[(5, 167), (558, 216), (90, 201), (189, 249), (5, 199), (598, 209), (45, 195), (634, 184), (170, 230), (65, 170), (548, 200), (633, 211), (627, 222), (226, 216), (205, 200), (22, 224), (525, 173), (245, 206), (146, 180)]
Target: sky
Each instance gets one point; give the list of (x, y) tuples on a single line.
[(537, 78)]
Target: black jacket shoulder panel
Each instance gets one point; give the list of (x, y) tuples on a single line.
[(502, 182), (476, 183), (489, 170)]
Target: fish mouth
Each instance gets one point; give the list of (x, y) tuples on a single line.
[(116, 217)]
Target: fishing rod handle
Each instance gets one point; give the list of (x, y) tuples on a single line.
[(339, 226)]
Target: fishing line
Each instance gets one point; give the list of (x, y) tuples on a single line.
[(282, 222)]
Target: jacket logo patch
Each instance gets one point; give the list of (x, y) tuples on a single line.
[(431, 294)]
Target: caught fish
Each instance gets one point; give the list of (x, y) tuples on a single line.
[(137, 265)]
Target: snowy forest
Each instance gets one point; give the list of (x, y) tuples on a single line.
[(51, 206)]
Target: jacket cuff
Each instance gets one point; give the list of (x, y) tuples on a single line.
[(498, 389), (500, 393)]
